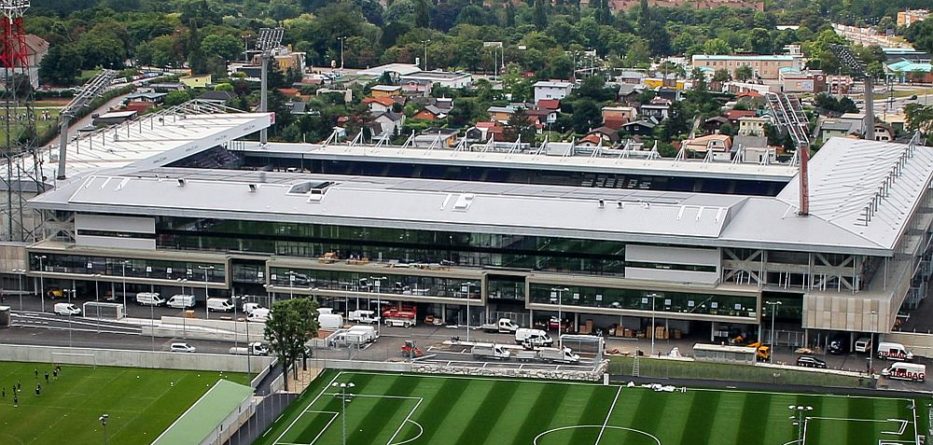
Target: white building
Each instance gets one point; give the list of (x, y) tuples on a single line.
[(547, 89)]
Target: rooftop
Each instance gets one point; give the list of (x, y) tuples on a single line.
[(552, 84), (153, 140), (768, 57), (436, 75)]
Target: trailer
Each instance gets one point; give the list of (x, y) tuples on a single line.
[(490, 351)]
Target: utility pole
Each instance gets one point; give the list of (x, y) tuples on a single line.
[(341, 39), (425, 43), (774, 305)]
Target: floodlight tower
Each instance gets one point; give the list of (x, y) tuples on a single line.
[(89, 91), (857, 68), (269, 39)]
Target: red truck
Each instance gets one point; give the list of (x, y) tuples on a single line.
[(402, 315)]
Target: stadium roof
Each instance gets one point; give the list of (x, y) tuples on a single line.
[(868, 188), (844, 177), (526, 160), (152, 141)]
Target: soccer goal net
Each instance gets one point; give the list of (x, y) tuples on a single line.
[(112, 311), (74, 358)]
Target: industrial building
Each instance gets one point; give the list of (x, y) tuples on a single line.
[(488, 232)]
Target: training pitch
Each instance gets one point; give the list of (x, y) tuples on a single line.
[(68, 409), (407, 409)]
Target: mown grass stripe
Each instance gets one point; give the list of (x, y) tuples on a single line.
[(309, 426), (544, 409), (439, 408), (699, 424), (488, 412), (753, 426), (678, 409)]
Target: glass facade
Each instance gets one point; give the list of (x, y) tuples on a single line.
[(505, 287), (366, 282), (135, 268), (632, 299), (394, 245)]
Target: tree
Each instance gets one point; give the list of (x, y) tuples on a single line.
[(586, 115), (422, 14), (221, 45), (920, 118), (540, 14), (744, 73), (176, 98), (61, 65), (290, 325), (721, 75), (520, 126), (716, 47)]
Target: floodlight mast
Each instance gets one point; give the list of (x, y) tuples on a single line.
[(269, 39), (89, 91), (857, 68)]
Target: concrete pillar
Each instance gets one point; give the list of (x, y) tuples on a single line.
[(444, 313), (576, 322)]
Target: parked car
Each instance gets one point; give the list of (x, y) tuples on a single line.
[(810, 361), (182, 347)]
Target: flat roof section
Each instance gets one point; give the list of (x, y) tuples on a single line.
[(207, 414), (151, 141)]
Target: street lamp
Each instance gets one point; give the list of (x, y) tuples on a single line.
[(341, 39), (558, 292), (774, 305), (20, 272), (799, 417), (871, 344), (207, 311), (344, 387), (425, 43), (465, 288), (42, 281), (291, 284), (653, 297), (184, 315), (97, 298), (123, 274), (377, 284), (103, 423)]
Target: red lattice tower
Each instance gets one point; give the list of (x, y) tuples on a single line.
[(14, 52)]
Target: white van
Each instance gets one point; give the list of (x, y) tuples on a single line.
[(248, 308), (66, 309), (533, 337), (219, 304), (149, 299), (181, 301), (363, 316), (893, 351), (906, 371), (258, 315), (863, 344)]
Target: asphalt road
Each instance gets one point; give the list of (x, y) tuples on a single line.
[(43, 336)]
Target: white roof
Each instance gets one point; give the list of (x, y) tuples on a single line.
[(400, 68), (844, 177), (153, 140), (867, 188), (552, 84)]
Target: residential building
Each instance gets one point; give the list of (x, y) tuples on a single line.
[(379, 104), (431, 113), (390, 123), (615, 116), (831, 128), (216, 97), (753, 149), (36, 50), (199, 81), (437, 138), (764, 66), (752, 125), (659, 108), (856, 121), (910, 16), (884, 132), (641, 127), (455, 80), (548, 89), (806, 81), (378, 91), (151, 97), (719, 144)]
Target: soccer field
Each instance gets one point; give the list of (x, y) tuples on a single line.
[(407, 409), (68, 408)]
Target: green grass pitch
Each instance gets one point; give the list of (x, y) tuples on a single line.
[(68, 408), (396, 409)]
